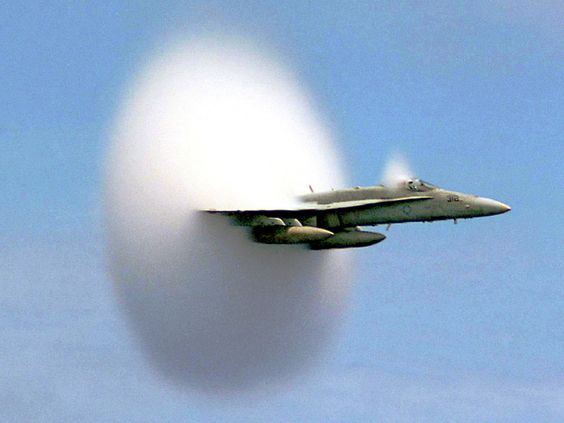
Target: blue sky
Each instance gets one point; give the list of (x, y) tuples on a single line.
[(447, 323)]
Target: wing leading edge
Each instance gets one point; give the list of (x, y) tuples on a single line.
[(316, 209)]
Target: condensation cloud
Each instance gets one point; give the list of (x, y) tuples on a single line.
[(396, 171), (216, 123)]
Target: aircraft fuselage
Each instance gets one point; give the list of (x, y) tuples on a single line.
[(332, 219), (435, 204)]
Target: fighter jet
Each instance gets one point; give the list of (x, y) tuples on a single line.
[(333, 219)]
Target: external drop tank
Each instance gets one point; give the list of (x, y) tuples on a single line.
[(317, 238), (349, 239)]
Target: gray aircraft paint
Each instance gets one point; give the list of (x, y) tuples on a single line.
[(433, 204), (342, 211)]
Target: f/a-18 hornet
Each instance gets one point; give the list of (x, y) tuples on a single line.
[(333, 219)]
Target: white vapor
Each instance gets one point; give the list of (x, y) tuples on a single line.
[(396, 171), (214, 123)]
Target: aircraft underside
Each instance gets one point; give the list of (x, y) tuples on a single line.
[(315, 238)]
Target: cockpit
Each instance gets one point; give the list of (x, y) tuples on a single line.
[(418, 185)]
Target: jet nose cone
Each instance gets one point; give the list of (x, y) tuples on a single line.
[(490, 207)]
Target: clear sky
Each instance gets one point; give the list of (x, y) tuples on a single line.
[(447, 323)]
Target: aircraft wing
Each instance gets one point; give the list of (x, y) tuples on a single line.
[(310, 209)]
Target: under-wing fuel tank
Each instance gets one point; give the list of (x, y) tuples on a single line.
[(289, 234), (348, 239)]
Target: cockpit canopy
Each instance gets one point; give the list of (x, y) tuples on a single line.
[(418, 185)]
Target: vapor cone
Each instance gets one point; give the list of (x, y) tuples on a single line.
[(396, 171), (217, 124)]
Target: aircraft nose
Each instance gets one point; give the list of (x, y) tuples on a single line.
[(489, 206)]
